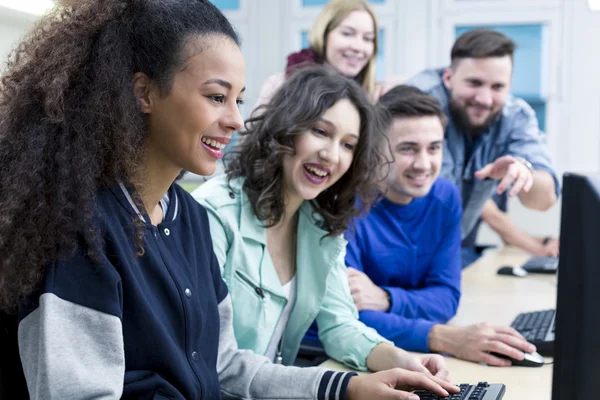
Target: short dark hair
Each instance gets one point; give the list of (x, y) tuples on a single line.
[(409, 101), (482, 43), (269, 136)]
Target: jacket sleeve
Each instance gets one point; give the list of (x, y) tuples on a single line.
[(344, 337), (527, 140), (71, 336), (218, 233)]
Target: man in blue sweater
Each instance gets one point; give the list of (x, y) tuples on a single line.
[(404, 257)]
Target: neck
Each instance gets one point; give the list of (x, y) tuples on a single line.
[(290, 215), (398, 198), (156, 178)]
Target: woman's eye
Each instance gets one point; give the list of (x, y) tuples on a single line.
[(318, 131), (217, 98), (239, 102), (349, 146)]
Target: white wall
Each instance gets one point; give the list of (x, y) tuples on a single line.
[(13, 25)]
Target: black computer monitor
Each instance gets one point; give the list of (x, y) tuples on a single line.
[(577, 343)]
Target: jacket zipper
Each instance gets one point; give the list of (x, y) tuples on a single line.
[(257, 290)]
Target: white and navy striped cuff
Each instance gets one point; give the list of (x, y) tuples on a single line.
[(333, 385)]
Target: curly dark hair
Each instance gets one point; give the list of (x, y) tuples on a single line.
[(70, 124), (269, 136)]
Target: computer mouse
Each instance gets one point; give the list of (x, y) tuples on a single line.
[(512, 271), (530, 360)]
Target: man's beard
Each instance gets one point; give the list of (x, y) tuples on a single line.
[(462, 122)]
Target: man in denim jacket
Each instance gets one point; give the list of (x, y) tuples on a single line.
[(492, 142)]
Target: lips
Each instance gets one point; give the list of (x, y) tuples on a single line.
[(353, 61), (418, 180), (214, 146), (315, 173)]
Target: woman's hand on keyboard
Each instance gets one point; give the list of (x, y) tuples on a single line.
[(396, 384), (386, 356)]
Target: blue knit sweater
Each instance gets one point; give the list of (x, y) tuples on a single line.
[(413, 252)]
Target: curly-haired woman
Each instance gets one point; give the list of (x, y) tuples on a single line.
[(111, 265), (278, 216)]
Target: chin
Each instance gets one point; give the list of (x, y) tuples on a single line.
[(309, 194), (203, 170), (348, 72), (419, 192)]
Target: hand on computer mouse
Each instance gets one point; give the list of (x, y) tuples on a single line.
[(530, 360), (512, 271), (396, 383), (476, 342)]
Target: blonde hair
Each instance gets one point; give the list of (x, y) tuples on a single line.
[(330, 17)]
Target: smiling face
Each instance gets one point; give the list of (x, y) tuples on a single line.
[(479, 87), (417, 146), (190, 126), (350, 45), (323, 154)]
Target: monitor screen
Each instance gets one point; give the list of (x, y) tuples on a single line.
[(577, 343)]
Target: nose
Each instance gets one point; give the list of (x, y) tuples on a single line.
[(232, 120), (422, 161), (484, 97), (358, 44), (331, 153)]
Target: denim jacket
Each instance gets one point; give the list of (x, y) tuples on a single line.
[(515, 132), (240, 244)]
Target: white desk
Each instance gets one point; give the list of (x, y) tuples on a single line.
[(487, 296)]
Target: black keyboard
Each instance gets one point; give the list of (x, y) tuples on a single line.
[(541, 265), (538, 328), (481, 391)]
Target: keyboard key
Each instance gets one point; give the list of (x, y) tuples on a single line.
[(481, 391)]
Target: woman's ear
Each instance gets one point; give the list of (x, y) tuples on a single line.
[(142, 90)]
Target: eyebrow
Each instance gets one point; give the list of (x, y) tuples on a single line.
[(354, 30), (417, 144), (221, 82), (332, 125)]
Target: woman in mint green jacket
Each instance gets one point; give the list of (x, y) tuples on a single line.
[(278, 216)]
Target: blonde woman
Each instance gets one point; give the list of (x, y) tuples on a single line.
[(345, 37)]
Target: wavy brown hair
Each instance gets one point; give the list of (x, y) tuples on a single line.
[(70, 124), (269, 137)]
